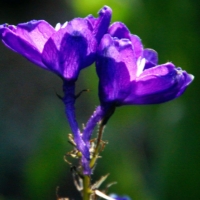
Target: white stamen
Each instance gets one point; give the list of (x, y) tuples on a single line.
[(140, 66), (64, 25), (58, 26)]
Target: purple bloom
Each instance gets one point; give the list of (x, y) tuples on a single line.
[(129, 74), (116, 197), (65, 49)]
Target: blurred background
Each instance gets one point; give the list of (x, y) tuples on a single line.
[(153, 151)]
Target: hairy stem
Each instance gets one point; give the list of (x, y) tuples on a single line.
[(69, 101), (97, 148)]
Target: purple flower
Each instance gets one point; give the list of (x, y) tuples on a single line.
[(116, 197), (65, 49), (129, 74)]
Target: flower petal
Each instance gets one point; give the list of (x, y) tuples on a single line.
[(100, 25), (159, 84), (35, 32), (120, 31), (27, 39), (70, 49), (115, 67), (137, 44), (2, 29), (151, 57)]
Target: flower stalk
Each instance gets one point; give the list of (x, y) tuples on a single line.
[(86, 187), (69, 101), (98, 146)]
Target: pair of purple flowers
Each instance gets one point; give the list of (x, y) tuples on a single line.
[(128, 73)]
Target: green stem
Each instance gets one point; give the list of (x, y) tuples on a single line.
[(86, 187), (86, 179), (96, 151)]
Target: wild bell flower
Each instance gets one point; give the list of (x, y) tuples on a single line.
[(130, 75), (63, 50)]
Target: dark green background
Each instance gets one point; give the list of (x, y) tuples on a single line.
[(153, 151)]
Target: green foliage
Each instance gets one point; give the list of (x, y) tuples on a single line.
[(44, 167)]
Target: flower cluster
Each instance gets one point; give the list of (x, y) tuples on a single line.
[(128, 73)]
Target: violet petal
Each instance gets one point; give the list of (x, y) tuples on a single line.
[(137, 46), (27, 39), (112, 70), (120, 31), (151, 57), (159, 84), (100, 25), (70, 49)]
